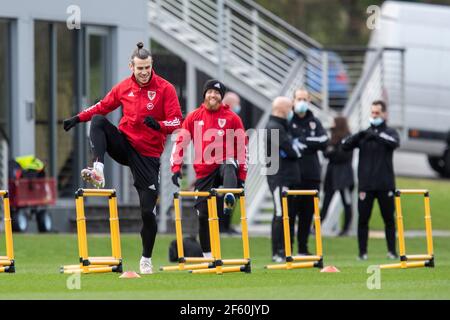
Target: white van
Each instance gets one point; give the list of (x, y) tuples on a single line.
[(423, 30)]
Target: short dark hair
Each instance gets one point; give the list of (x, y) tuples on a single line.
[(380, 103), (140, 52)]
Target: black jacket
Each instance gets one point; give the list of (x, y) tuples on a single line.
[(313, 137), (288, 173), (376, 147), (339, 170)]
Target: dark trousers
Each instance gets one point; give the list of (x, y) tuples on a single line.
[(277, 232), (105, 137), (346, 197), (225, 175), (365, 204), (303, 208)]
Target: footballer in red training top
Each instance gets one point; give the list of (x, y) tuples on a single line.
[(150, 110), (220, 148)]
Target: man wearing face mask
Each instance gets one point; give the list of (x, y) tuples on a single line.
[(233, 100), (310, 136), (376, 176), (288, 171)]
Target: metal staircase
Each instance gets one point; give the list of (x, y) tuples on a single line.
[(260, 56), (253, 52)]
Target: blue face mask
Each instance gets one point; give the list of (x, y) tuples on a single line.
[(301, 107), (290, 115), (237, 109), (376, 121)]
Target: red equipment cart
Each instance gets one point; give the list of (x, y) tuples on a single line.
[(31, 197)]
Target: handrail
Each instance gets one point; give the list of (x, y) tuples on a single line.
[(281, 22), (352, 102)]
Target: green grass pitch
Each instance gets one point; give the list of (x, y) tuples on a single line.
[(38, 259)]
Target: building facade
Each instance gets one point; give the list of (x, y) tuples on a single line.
[(58, 57)]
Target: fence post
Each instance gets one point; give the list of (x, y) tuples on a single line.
[(186, 18), (220, 33), (325, 104), (255, 37)]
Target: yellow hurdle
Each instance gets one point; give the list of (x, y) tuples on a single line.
[(216, 263), (418, 260), (96, 264), (7, 262), (189, 263), (300, 262), (220, 266)]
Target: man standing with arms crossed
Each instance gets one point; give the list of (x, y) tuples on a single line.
[(310, 136), (220, 148), (376, 176), (150, 111), (288, 170)]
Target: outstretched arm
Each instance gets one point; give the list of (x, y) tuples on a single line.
[(109, 103)]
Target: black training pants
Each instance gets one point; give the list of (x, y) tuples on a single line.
[(365, 204), (303, 208), (105, 137), (346, 197), (277, 220), (226, 176)]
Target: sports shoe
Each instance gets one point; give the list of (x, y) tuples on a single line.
[(228, 203), (363, 257), (146, 266), (94, 177), (277, 258), (392, 255), (307, 253)]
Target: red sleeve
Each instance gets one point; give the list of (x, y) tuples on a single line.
[(181, 143), (172, 111), (109, 103), (241, 148)]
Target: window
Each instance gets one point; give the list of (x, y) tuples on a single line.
[(70, 74)]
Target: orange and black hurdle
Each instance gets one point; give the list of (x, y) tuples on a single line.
[(7, 262), (215, 264), (418, 260), (300, 262), (96, 264)]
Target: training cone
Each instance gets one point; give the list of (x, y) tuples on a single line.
[(330, 269), (129, 275)]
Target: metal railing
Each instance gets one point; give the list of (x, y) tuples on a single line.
[(382, 77), (269, 54), (274, 58), (250, 38)]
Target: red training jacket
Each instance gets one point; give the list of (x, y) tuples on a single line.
[(209, 131), (157, 99)]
